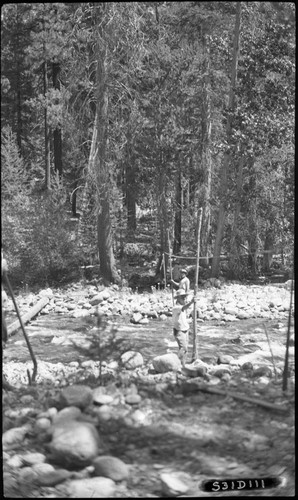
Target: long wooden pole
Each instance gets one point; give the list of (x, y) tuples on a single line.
[(31, 378), (286, 364), (170, 262), (164, 270), (195, 342), (214, 390)]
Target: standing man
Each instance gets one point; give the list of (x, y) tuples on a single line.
[(184, 283), (181, 324)]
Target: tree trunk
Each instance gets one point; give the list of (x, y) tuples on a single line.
[(57, 137), (223, 195), (130, 186), (253, 231), (234, 258), (18, 86), (162, 214), (104, 225), (268, 251), (206, 155), (178, 215), (87, 195), (253, 241), (46, 132)]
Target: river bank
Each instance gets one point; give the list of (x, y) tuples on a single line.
[(150, 433)]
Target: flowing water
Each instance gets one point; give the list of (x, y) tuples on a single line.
[(51, 337)]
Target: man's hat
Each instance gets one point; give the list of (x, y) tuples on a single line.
[(183, 271), (181, 293)]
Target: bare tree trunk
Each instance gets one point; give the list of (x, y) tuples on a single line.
[(227, 156), (83, 233), (253, 241), (162, 213), (253, 230), (206, 154), (234, 259), (57, 132), (178, 214), (18, 86), (268, 251), (130, 187), (104, 223), (46, 132)]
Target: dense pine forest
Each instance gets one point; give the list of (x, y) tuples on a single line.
[(120, 120)]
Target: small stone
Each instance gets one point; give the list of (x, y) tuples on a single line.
[(224, 359), (52, 411), (87, 364), (101, 398), (132, 359), (42, 424), (43, 468), (139, 418), (194, 371), (226, 377), (214, 380), (74, 443), (51, 478), (27, 475), (133, 399), (15, 462), (33, 458), (113, 365), (136, 318), (74, 364), (262, 371), (172, 485), (166, 362), (247, 366), (220, 372), (94, 487), (263, 380), (163, 317), (111, 467), (243, 315), (76, 395), (103, 412), (26, 399), (14, 435), (68, 413)]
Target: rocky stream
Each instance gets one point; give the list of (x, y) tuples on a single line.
[(112, 413)]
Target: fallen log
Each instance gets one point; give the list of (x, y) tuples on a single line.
[(13, 327), (214, 390)]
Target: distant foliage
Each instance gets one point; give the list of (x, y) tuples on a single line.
[(36, 238)]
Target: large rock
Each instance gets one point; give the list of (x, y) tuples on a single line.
[(136, 317), (111, 467), (74, 443), (67, 414), (243, 315), (76, 395), (100, 297), (172, 486), (132, 359), (166, 362), (224, 359), (231, 309), (94, 487)]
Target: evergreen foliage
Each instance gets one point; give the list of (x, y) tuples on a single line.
[(159, 73)]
